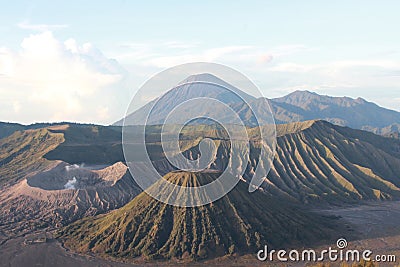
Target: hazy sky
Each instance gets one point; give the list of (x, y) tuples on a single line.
[(83, 60)]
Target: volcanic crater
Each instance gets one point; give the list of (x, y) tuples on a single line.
[(65, 176)]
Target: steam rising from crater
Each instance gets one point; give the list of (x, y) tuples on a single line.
[(72, 167), (71, 183)]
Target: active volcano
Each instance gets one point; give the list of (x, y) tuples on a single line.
[(238, 222)]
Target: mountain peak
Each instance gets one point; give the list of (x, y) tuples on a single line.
[(204, 77), (204, 85), (360, 100), (303, 92), (210, 78)]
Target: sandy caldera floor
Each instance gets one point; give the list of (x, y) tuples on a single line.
[(376, 224), (16, 253)]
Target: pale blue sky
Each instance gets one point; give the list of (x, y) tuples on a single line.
[(57, 57)]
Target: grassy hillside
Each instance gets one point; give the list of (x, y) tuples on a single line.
[(319, 161), (22, 153)]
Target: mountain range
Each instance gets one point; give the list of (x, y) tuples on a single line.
[(316, 163), (344, 111), (72, 177), (294, 107)]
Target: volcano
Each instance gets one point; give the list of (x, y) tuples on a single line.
[(237, 223)]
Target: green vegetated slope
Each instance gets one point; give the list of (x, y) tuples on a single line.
[(316, 160), (239, 222), (22, 153)]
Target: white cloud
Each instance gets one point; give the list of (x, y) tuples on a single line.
[(51, 80)]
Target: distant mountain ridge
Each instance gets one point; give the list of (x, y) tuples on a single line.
[(294, 107), (344, 111), (8, 128)]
